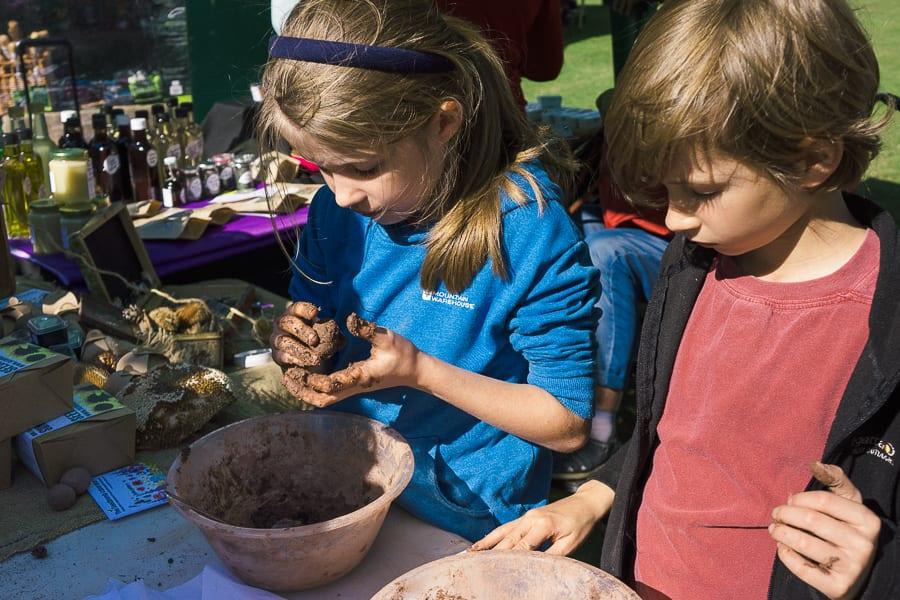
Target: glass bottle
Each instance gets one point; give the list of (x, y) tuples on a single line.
[(105, 160), (173, 188), (168, 144), (42, 144), (34, 169), (193, 146), (15, 199), (123, 140), (143, 163), (151, 125), (115, 123), (7, 271), (72, 136)]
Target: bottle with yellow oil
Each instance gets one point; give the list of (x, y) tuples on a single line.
[(15, 183)]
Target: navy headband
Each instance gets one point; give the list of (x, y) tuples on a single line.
[(361, 56)]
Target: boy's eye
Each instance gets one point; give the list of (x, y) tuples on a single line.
[(704, 196)]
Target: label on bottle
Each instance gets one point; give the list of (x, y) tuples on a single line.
[(193, 149), (174, 150), (168, 198), (152, 158), (111, 164), (246, 178), (92, 190), (26, 186), (227, 174), (194, 189), (212, 184)]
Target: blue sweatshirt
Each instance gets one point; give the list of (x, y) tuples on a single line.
[(534, 327)]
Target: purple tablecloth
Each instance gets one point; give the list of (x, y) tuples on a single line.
[(240, 235)]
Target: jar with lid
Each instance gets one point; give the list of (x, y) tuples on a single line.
[(209, 176), (72, 218), (224, 162), (193, 186), (71, 176), (242, 176), (44, 224)]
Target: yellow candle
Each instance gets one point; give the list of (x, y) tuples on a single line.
[(71, 176)]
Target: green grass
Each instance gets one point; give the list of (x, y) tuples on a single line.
[(588, 71)]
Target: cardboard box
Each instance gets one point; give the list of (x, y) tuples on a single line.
[(5, 463), (98, 434), (35, 386)]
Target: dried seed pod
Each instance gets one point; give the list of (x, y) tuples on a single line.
[(90, 373), (172, 402), (165, 318), (192, 313)]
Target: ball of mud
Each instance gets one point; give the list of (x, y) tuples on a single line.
[(77, 478), (61, 497)]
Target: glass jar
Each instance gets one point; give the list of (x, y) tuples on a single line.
[(209, 176), (193, 187), (72, 218), (71, 176), (224, 162), (242, 176), (44, 224)]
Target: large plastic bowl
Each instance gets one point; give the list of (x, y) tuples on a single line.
[(337, 472), (506, 575)]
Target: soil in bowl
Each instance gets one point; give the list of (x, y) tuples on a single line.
[(255, 489)]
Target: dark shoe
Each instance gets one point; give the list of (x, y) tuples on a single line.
[(583, 462)]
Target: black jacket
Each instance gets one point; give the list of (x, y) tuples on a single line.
[(862, 440)]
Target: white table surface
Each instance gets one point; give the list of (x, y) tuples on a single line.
[(80, 563)]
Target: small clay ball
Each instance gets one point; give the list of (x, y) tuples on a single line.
[(77, 478), (61, 497)]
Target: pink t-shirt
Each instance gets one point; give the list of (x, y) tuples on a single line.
[(757, 381)]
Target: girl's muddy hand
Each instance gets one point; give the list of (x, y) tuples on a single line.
[(300, 340), (394, 361)]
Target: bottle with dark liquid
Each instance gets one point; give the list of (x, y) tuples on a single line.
[(72, 136), (105, 160), (123, 139), (143, 163), (173, 188)]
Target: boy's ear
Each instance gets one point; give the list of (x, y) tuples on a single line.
[(448, 120), (822, 159)]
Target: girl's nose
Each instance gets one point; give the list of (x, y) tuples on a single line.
[(345, 193)]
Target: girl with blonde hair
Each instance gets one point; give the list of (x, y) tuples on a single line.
[(442, 223)]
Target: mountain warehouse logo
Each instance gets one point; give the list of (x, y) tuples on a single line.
[(876, 447), (451, 299)]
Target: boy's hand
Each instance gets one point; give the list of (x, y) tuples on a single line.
[(827, 538), (565, 523), (394, 361), (299, 339)]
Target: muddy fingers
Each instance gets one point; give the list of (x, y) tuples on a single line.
[(298, 328), (297, 383), (329, 338), (294, 353), (360, 327), (304, 310)]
